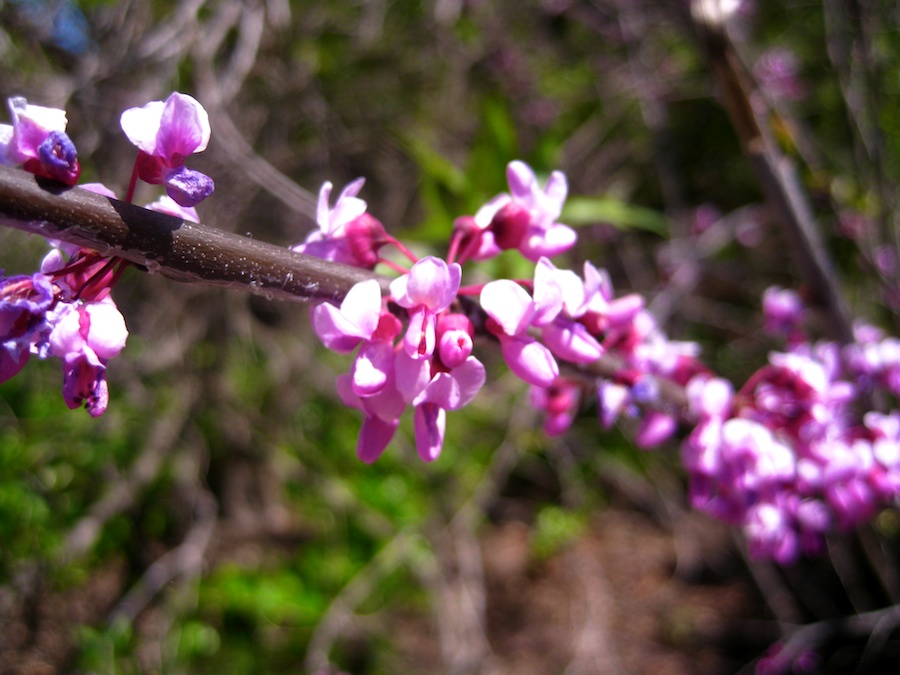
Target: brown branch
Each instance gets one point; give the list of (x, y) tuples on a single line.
[(190, 252), (177, 249), (775, 172)]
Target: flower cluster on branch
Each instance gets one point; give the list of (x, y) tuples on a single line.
[(806, 447), (66, 310)]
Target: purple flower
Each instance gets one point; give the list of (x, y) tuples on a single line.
[(426, 291), (656, 428), (541, 235), (559, 402), (85, 337), (784, 313), (433, 389), (24, 302), (343, 329), (382, 414), (371, 384), (778, 71), (346, 234), (523, 220), (568, 297), (37, 140), (512, 312), (165, 133)]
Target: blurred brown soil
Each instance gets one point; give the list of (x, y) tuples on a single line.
[(616, 600), (37, 636)]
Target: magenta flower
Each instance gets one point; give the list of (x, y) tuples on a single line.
[(784, 313), (656, 428), (434, 389), (24, 303), (559, 402), (342, 329), (86, 337), (165, 133), (426, 291), (346, 234), (382, 414), (565, 335), (512, 312), (528, 221), (524, 220), (37, 140)]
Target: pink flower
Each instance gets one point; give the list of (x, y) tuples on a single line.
[(528, 220), (565, 335), (426, 291), (343, 329), (37, 140), (382, 415), (656, 428), (523, 220), (784, 312), (346, 233), (559, 403), (434, 389), (165, 204), (165, 133), (86, 337), (512, 312)]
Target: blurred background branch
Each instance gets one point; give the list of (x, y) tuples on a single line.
[(216, 517)]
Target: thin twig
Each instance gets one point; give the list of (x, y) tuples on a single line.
[(814, 634), (122, 493), (340, 611), (776, 174), (185, 560)]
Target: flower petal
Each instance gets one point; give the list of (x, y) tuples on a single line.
[(183, 128), (142, 124), (430, 424), (374, 437), (508, 304), (529, 360)]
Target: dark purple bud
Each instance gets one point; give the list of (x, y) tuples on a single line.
[(365, 235), (59, 159), (188, 187), (509, 225), (24, 302)]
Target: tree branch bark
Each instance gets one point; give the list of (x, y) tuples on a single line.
[(177, 249)]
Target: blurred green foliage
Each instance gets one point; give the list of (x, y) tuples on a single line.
[(232, 397)]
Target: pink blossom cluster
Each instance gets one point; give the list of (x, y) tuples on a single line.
[(415, 345), (66, 310), (788, 457), (799, 451)]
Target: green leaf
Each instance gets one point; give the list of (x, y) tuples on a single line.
[(593, 210)]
